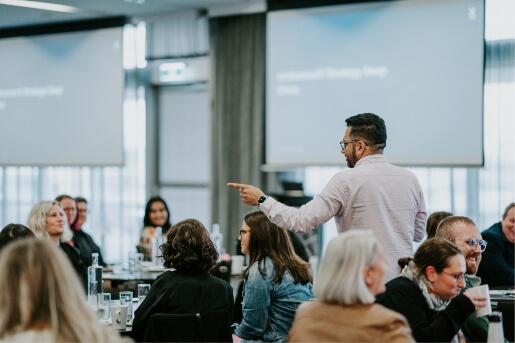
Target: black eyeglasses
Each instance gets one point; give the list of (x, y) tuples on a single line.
[(343, 144), (458, 277), (243, 232), (474, 242)]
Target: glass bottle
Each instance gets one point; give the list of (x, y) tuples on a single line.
[(94, 280)]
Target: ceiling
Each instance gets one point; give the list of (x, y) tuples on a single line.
[(15, 16)]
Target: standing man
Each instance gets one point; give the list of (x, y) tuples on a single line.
[(373, 195), (497, 266), (463, 232)]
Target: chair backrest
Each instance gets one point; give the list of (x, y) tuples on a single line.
[(211, 326)]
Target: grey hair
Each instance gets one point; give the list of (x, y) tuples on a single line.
[(340, 278), (38, 216)]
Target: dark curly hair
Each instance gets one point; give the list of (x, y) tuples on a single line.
[(189, 248)]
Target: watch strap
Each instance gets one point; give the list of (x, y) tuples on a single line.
[(262, 199)]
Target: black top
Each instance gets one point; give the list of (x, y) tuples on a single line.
[(85, 244), (176, 292), (75, 259), (403, 296), (496, 267)]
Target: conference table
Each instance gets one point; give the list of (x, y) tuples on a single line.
[(118, 278)]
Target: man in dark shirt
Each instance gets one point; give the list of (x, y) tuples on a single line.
[(496, 268), (81, 240)]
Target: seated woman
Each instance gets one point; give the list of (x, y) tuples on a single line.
[(47, 220), (276, 281), (349, 276), (41, 300), (425, 288), (189, 287), (157, 214)]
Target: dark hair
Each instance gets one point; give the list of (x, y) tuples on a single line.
[(444, 229), (12, 232), (433, 252), (433, 221), (81, 199), (369, 127), (146, 218), (507, 209), (189, 248), (269, 240)]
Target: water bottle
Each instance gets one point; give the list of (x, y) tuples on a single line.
[(495, 330), (217, 238), (94, 280), (157, 241)]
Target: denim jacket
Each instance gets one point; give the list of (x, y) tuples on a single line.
[(269, 308)]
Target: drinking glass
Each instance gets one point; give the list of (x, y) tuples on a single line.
[(126, 299), (104, 306), (143, 289), (135, 259)]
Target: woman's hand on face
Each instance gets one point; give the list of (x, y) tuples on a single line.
[(478, 300)]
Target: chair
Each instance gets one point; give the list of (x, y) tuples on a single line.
[(210, 326)]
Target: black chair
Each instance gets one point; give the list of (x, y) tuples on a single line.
[(211, 326)]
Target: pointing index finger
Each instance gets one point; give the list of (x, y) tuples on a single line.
[(236, 185)]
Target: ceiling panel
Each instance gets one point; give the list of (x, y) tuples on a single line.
[(14, 16)]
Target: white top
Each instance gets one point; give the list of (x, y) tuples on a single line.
[(373, 195)]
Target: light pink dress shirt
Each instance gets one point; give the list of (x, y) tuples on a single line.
[(374, 195)]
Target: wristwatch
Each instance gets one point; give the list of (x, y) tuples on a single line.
[(262, 199)]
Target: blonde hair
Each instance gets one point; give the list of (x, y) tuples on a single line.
[(38, 216), (340, 279), (41, 290)]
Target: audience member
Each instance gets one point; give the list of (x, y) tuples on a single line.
[(47, 220), (157, 214), (81, 240), (13, 232), (189, 287), (498, 259), (70, 208), (425, 288), (276, 281), (349, 276), (40, 298), (463, 232), (433, 220), (373, 195)]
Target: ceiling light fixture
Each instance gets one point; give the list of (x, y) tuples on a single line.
[(41, 6)]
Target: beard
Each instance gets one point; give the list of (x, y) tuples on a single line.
[(471, 265), (351, 158)]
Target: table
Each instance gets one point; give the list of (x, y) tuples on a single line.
[(120, 279), (504, 301)]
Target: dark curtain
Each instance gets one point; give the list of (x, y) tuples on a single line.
[(237, 46)]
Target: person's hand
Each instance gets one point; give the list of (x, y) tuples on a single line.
[(249, 194), (478, 300), (235, 339)]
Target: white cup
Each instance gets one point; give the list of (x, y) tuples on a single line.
[(482, 291), (237, 264), (119, 316)]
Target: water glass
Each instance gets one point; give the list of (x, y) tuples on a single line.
[(135, 259), (143, 289), (104, 306), (126, 299)]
